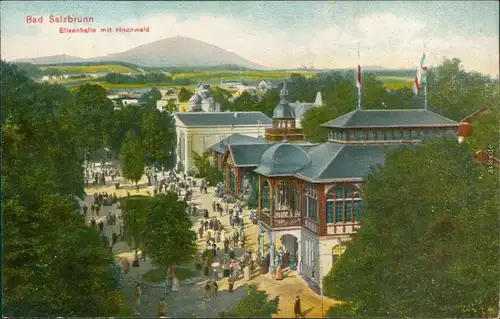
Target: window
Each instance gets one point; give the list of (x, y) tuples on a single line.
[(370, 136), (352, 136), (339, 211), (329, 211), (414, 135), (311, 202), (406, 135), (343, 205), (343, 136), (361, 136), (380, 136)]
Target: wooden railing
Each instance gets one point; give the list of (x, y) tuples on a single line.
[(286, 221), (265, 218)]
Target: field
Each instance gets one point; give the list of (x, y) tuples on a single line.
[(77, 69), (396, 83), (216, 76)]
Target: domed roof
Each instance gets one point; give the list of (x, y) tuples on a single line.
[(283, 111), (282, 158)]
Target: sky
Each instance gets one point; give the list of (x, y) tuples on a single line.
[(279, 34)]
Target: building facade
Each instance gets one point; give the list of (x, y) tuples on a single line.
[(309, 196), (196, 131)]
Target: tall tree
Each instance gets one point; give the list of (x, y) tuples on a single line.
[(311, 124), (54, 265), (126, 119), (254, 305), (245, 102), (205, 169), (417, 254), (158, 138), (222, 96), (171, 106), (168, 237), (268, 102), (45, 242), (184, 94), (132, 158), (91, 117), (455, 93), (373, 93)]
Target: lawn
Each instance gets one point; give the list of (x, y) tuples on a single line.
[(157, 275), (114, 68), (216, 76), (396, 83)]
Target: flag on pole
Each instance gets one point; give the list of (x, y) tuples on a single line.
[(423, 65), (416, 82), (358, 78)]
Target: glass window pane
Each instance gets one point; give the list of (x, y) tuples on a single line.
[(329, 212), (339, 212), (358, 213), (348, 193), (361, 136), (380, 136), (339, 192), (352, 136), (348, 214), (406, 135), (343, 136), (369, 136), (357, 195)]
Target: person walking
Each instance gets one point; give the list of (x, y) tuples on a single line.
[(162, 308), (296, 308), (138, 294), (230, 282)]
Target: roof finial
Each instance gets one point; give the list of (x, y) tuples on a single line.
[(284, 93)]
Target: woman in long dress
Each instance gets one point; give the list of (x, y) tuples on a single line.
[(175, 284)]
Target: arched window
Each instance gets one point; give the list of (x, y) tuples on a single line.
[(343, 205)]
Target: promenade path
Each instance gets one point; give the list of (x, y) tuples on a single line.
[(188, 302)]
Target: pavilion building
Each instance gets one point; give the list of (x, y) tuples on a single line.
[(309, 196)]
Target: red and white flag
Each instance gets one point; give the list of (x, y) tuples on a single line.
[(358, 77), (418, 78)]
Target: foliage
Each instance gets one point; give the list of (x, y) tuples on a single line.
[(168, 238), (184, 94), (158, 138), (132, 157), (171, 106), (268, 102), (254, 305), (135, 211), (205, 169), (246, 102), (418, 254), (222, 96), (91, 68), (311, 124), (455, 93), (126, 119), (485, 129), (54, 265), (90, 118), (118, 78)]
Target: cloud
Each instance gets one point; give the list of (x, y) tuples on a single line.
[(385, 39)]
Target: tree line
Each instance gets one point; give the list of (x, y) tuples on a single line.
[(153, 77), (54, 264)]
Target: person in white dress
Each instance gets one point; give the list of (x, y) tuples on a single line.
[(246, 273), (175, 284)]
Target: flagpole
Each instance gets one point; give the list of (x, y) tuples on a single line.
[(359, 86), (425, 85)]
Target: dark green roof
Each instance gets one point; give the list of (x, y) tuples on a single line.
[(389, 118), (355, 161), (223, 118), (235, 138), (248, 154), (282, 158)]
